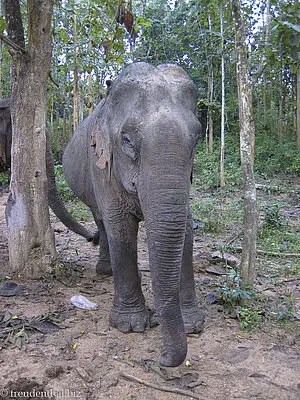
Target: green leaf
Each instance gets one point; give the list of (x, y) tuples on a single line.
[(291, 26), (143, 21), (2, 24)]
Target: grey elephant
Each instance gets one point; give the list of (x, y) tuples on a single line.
[(131, 160), (55, 201)]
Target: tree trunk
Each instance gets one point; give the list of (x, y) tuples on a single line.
[(1, 56), (246, 133), (298, 100), (267, 41), (75, 82), (210, 97), (65, 135), (280, 101), (30, 236), (222, 157)]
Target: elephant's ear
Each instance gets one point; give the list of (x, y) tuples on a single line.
[(101, 142)]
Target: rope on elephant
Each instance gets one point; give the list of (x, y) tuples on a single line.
[(161, 388)]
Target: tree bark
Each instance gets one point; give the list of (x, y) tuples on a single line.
[(30, 236), (75, 83), (210, 97), (298, 100), (246, 134), (222, 156)]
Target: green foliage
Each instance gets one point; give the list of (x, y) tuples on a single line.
[(215, 216), (250, 318), (4, 178), (291, 267), (273, 158), (275, 234), (207, 165), (77, 208), (273, 218), (232, 293), (62, 186), (2, 24), (276, 240), (285, 311)]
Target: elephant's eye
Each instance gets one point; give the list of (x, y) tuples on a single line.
[(126, 140), (128, 147)]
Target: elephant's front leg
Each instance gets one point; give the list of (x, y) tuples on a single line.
[(128, 312), (193, 318)]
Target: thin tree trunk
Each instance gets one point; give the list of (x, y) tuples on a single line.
[(30, 236), (210, 97), (267, 41), (280, 119), (222, 157), (246, 133), (265, 98), (75, 82), (65, 138), (298, 100), (1, 55)]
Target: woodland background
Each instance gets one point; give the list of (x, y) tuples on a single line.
[(93, 40), (89, 47), (250, 344)]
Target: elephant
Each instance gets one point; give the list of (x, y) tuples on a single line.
[(5, 134), (54, 200), (131, 160)]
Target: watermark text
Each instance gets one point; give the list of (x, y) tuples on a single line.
[(40, 394)]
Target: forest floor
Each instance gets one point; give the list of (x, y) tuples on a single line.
[(87, 359)]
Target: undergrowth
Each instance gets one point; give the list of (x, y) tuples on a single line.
[(77, 208), (252, 309), (271, 159)]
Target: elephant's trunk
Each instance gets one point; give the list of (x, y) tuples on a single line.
[(164, 198)]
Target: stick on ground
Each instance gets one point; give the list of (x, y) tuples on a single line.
[(158, 387)]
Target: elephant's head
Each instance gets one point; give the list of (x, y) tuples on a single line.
[(146, 139)]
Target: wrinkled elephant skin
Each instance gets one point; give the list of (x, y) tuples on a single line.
[(131, 160)]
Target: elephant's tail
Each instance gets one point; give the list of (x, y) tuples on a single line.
[(96, 238)]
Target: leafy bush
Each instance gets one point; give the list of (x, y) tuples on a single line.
[(215, 215), (271, 159), (4, 178), (285, 311), (62, 186), (207, 165), (273, 219), (77, 208), (231, 292), (250, 318), (275, 234), (209, 215)]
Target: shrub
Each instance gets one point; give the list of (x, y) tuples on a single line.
[(62, 186)]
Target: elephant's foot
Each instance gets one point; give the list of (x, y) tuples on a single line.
[(104, 267), (193, 319), (175, 350), (173, 359), (135, 320)]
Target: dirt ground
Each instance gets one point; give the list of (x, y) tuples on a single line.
[(87, 359)]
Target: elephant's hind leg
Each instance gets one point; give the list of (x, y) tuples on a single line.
[(104, 264), (128, 312)]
